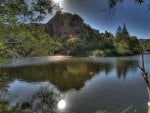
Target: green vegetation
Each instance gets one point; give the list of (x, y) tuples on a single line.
[(26, 40), (145, 44), (21, 36), (104, 44), (126, 44), (21, 40)]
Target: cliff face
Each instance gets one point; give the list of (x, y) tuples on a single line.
[(76, 37), (64, 25)]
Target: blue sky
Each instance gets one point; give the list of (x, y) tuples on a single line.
[(136, 17)]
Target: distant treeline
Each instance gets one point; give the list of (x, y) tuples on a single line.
[(101, 44)]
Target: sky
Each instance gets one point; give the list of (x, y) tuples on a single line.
[(136, 17)]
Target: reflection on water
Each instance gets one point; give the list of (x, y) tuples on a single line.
[(90, 85), (61, 104), (34, 97), (124, 66)]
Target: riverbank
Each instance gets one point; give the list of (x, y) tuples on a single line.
[(25, 61)]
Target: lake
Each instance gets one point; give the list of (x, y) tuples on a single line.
[(73, 85)]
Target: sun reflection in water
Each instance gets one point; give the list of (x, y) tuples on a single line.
[(61, 104)]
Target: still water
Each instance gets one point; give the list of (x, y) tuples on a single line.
[(73, 85)]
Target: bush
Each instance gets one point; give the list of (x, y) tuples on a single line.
[(111, 52), (124, 52), (98, 53)]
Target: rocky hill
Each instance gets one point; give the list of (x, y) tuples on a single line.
[(79, 39), (63, 25)]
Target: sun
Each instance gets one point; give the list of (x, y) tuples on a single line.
[(57, 1)]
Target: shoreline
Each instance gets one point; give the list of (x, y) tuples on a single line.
[(31, 61)]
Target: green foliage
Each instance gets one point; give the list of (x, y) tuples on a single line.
[(122, 30), (104, 44), (134, 45), (21, 10), (145, 44), (122, 49), (2, 47), (98, 53), (126, 44), (19, 39), (105, 52), (26, 40), (73, 41)]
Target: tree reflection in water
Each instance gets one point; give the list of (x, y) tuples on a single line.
[(123, 66), (64, 75), (32, 97), (36, 96)]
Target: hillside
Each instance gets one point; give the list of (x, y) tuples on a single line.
[(75, 36), (65, 25), (64, 34), (79, 39)]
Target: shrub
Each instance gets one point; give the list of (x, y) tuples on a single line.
[(98, 53)]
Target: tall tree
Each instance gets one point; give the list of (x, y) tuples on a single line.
[(125, 30), (122, 34), (119, 30)]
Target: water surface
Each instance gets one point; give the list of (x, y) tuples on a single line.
[(86, 85)]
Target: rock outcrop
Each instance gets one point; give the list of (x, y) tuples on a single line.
[(64, 25)]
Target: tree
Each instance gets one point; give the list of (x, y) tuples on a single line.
[(107, 34), (20, 36), (124, 30), (134, 45), (122, 33), (112, 3), (22, 10), (119, 34), (119, 30), (27, 40), (126, 44)]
